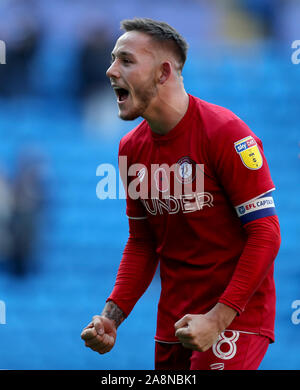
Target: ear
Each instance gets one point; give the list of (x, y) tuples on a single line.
[(165, 72)]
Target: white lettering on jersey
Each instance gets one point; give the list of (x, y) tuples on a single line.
[(186, 203)]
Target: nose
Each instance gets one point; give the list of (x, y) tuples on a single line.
[(112, 71)]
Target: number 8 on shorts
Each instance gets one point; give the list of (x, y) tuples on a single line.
[(225, 347)]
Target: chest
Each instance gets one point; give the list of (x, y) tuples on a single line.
[(173, 177)]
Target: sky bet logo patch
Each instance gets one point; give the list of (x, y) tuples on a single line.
[(248, 150)]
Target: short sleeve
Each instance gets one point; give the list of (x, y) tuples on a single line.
[(134, 207), (242, 169)]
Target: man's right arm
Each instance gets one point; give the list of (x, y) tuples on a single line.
[(112, 311), (135, 273), (137, 267)]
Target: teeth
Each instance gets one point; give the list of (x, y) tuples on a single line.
[(117, 89), (119, 94)]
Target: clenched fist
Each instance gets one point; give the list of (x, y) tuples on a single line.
[(196, 332), (100, 335), (200, 331)]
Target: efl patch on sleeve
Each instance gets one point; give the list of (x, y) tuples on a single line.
[(260, 207), (248, 150)]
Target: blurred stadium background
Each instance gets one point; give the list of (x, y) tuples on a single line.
[(60, 245)]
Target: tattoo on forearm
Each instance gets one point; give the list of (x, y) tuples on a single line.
[(113, 312)]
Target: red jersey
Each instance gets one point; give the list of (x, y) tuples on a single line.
[(199, 236)]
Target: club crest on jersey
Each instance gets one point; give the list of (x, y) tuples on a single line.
[(185, 170), (248, 150)]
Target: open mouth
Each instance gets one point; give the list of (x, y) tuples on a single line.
[(122, 94)]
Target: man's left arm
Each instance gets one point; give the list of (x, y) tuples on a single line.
[(200, 332), (239, 162)]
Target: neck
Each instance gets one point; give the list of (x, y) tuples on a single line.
[(167, 110)]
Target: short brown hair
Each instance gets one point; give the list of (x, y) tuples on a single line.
[(160, 32)]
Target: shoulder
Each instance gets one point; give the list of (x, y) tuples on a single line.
[(214, 116), (220, 122), (133, 138)]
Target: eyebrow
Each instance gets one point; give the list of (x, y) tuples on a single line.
[(122, 54)]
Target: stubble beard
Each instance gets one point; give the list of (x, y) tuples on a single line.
[(144, 96)]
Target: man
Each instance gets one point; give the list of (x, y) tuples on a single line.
[(216, 247)]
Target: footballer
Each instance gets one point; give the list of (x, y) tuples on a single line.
[(215, 247)]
